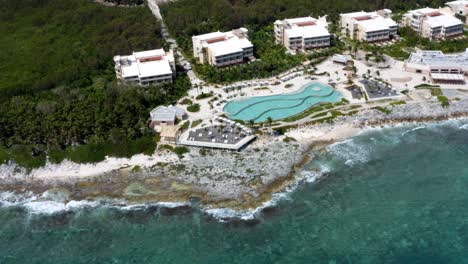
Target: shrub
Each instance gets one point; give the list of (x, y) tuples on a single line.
[(185, 126), (202, 152), (289, 139), (280, 130), (398, 103), (383, 110), (166, 147), (180, 151), (193, 108), (204, 96), (186, 101), (443, 101), (196, 122)]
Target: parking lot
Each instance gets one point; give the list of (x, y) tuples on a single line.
[(356, 91)]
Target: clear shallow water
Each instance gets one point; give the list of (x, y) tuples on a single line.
[(390, 196), (281, 106)]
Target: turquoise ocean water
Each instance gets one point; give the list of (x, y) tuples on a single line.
[(396, 195), (280, 106)]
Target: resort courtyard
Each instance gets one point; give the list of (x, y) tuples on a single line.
[(391, 82)]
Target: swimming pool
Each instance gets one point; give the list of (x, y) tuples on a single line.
[(282, 105)]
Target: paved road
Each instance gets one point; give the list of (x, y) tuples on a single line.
[(153, 5)]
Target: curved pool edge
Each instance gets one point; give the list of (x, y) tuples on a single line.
[(300, 90), (331, 93)]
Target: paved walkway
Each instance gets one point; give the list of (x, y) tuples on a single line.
[(153, 5)]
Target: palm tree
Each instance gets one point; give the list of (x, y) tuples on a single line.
[(269, 122), (251, 122)]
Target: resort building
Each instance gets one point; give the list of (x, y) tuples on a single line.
[(302, 33), (433, 23), (166, 116), (369, 26), (223, 48), (459, 9), (146, 67), (441, 68)]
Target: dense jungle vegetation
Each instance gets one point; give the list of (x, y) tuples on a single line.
[(58, 92)]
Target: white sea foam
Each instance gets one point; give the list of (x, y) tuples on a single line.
[(45, 207), (413, 130), (224, 214), (351, 152), (146, 205), (39, 205)]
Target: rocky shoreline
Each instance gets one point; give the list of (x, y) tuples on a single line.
[(223, 179)]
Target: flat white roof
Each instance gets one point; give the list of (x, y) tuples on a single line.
[(424, 11), (211, 35), (357, 14), (376, 24), (435, 58), (460, 2), (130, 69), (225, 42), (443, 21), (149, 53), (225, 47), (153, 68), (132, 65), (307, 32), (373, 25), (315, 31), (300, 20), (245, 43), (390, 22), (230, 45)]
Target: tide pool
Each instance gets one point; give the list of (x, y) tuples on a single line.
[(283, 105)]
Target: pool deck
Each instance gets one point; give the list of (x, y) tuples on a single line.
[(327, 72)]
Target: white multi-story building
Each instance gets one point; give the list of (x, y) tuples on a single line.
[(146, 67), (459, 9), (302, 33), (369, 26), (433, 23), (439, 66), (223, 48)]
